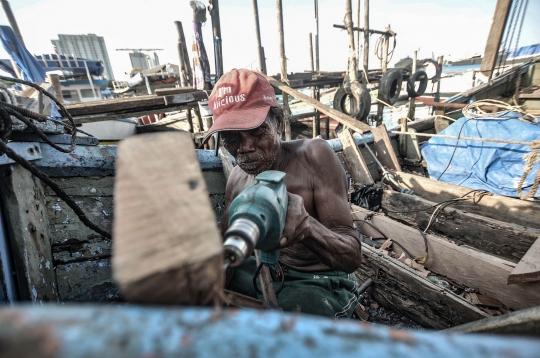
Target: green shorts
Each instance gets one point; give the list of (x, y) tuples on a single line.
[(324, 293)]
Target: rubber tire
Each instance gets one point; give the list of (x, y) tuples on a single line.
[(361, 112), (417, 76), (390, 86)]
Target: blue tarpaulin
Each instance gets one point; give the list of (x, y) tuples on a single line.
[(496, 167), (31, 69)]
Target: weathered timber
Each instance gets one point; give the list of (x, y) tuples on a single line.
[(160, 193), (467, 266), (171, 91), (353, 158), (239, 300), (528, 269), (342, 118), (491, 52), (498, 207), (130, 104), (131, 113), (524, 323), (27, 226), (226, 162), (509, 241), (402, 289), (383, 148)]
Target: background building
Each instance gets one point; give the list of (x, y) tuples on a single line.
[(142, 60), (88, 46)]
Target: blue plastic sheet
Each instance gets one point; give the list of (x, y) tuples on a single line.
[(496, 167), (31, 69)]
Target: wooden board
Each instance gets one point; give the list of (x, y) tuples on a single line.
[(169, 91), (509, 241), (226, 161), (383, 148), (523, 212), (342, 118), (353, 159), (167, 248), (400, 288), (528, 269), (139, 103), (467, 266)]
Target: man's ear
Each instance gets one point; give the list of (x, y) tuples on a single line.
[(280, 126)]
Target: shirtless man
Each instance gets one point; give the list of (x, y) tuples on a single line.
[(320, 249)]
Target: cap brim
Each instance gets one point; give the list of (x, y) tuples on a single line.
[(238, 120)]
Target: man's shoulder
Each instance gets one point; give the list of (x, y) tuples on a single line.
[(315, 148)]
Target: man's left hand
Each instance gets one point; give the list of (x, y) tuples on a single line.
[(296, 224)]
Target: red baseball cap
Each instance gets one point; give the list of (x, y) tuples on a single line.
[(240, 100)]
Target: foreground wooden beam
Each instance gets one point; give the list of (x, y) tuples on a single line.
[(356, 165), (506, 240), (522, 323), (402, 289), (342, 118), (464, 265), (498, 207), (167, 249), (528, 269)]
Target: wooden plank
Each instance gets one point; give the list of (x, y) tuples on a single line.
[(139, 103), (509, 241), (355, 163), (496, 32), (522, 323), (226, 161), (169, 91), (184, 98), (400, 288), (383, 148), (497, 207), (342, 118), (161, 196), (464, 265), (128, 114), (528, 269), (27, 227)]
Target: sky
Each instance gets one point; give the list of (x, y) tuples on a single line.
[(455, 29)]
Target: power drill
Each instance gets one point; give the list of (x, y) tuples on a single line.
[(257, 219)]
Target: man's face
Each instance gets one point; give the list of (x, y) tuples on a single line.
[(255, 150)]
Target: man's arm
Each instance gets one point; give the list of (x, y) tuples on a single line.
[(332, 238)]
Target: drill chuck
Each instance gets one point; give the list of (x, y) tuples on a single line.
[(257, 219), (240, 241)]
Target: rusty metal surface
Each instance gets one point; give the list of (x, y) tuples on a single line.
[(132, 331), (30, 151)]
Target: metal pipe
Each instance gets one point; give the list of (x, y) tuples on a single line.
[(78, 331), (362, 29)]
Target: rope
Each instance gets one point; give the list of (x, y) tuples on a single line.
[(474, 111), (7, 111), (530, 160)]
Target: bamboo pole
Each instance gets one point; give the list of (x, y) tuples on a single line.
[(366, 35), (184, 68), (353, 69), (260, 50), (12, 21), (54, 80), (216, 30), (412, 107), (317, 68), (283, 60), (316, 124)]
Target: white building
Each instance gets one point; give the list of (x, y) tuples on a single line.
[(88, 46)]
